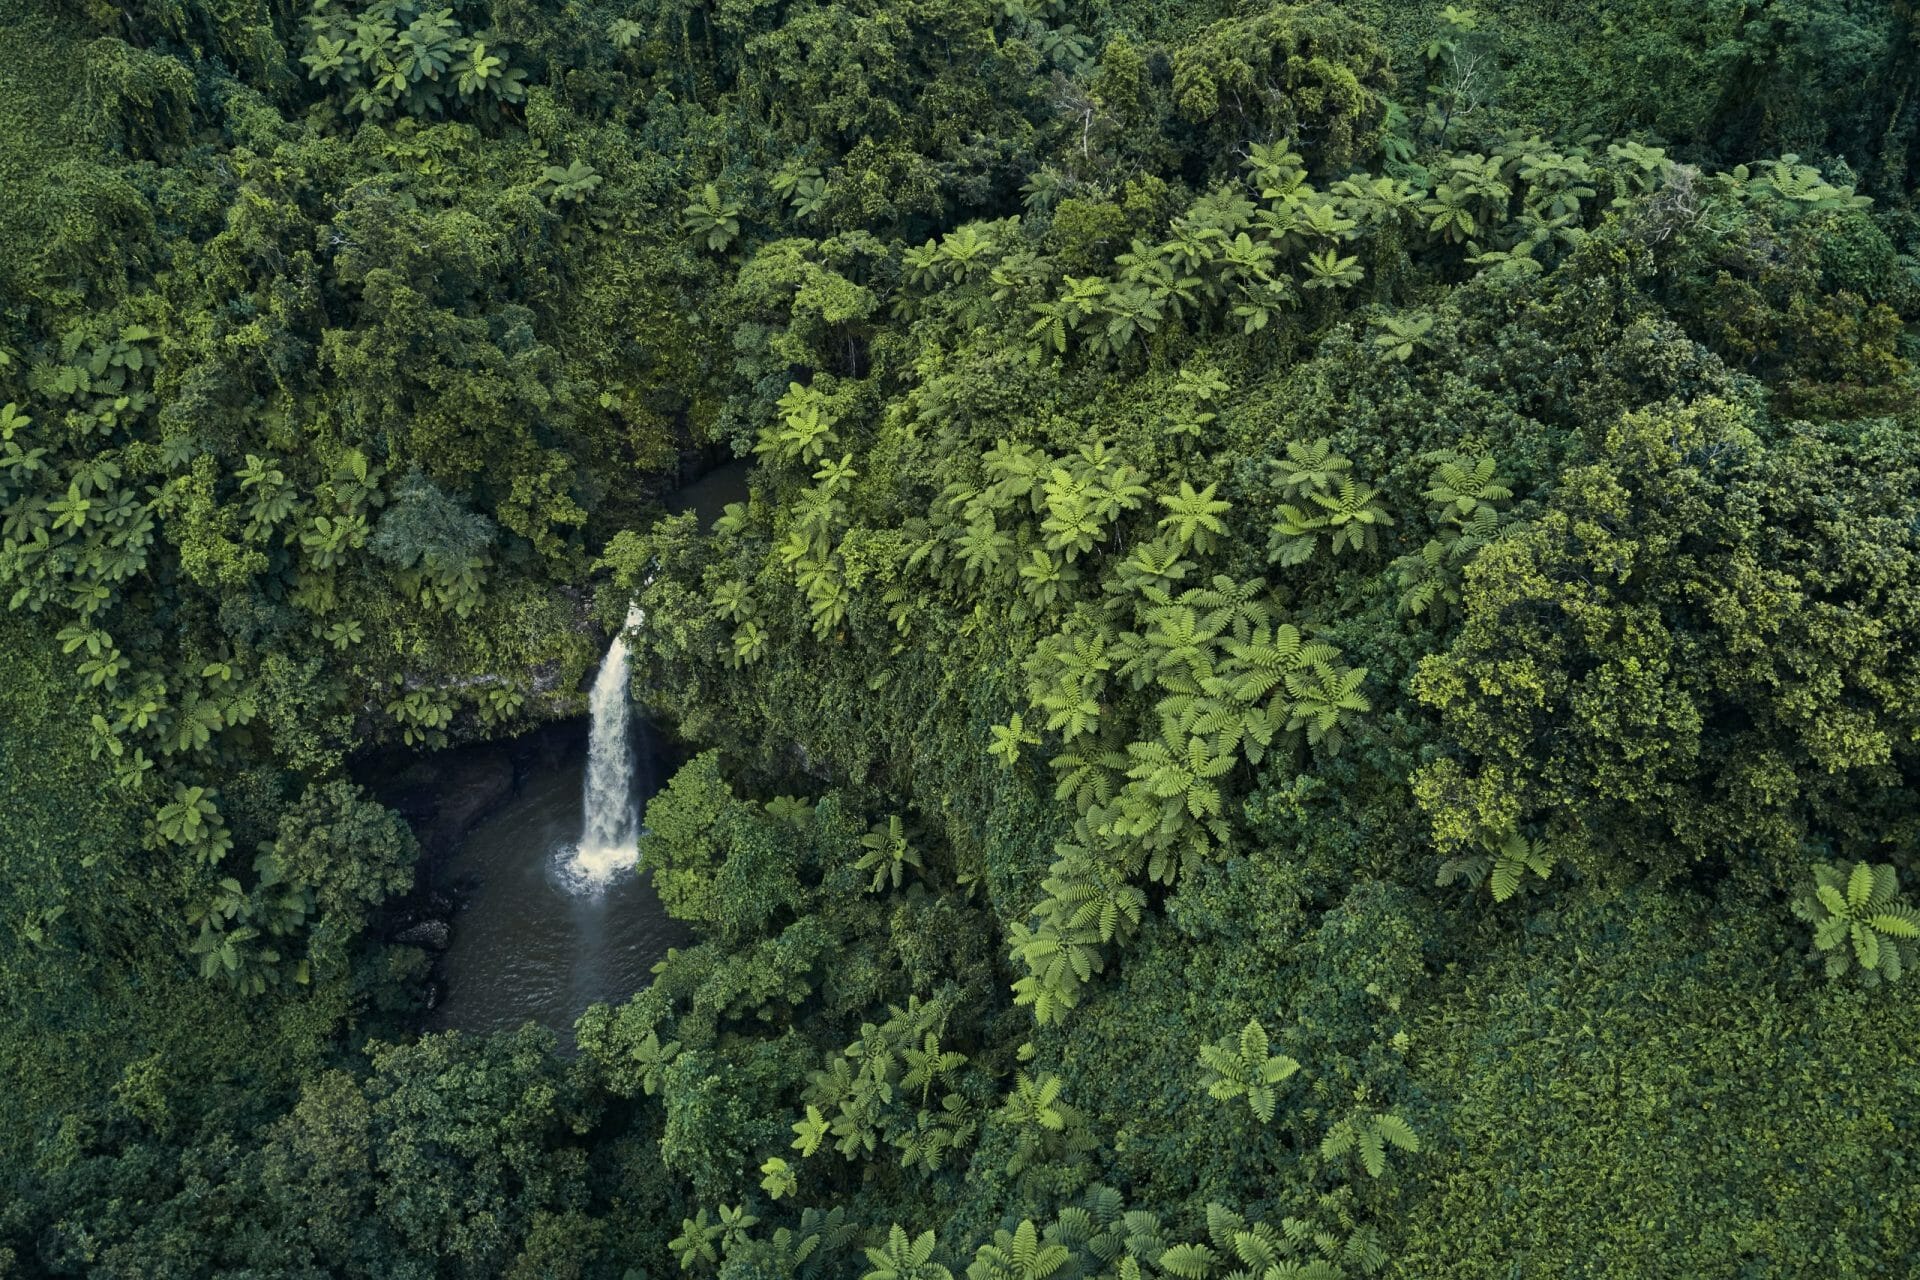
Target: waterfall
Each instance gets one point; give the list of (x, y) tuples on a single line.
[(610, 825)]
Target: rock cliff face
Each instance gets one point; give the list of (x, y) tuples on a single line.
[(443, 797)]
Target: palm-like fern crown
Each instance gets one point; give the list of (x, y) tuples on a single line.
[(1240, 1066), (1859, 919)]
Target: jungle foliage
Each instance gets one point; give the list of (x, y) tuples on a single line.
[(1320, 676)]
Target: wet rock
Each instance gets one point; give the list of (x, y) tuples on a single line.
[(434, 935), (482, 782), (547, 747), (444, 795)]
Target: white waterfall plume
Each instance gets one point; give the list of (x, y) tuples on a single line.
[(610, 827)]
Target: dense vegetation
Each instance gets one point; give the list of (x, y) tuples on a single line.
[(1321, 677)]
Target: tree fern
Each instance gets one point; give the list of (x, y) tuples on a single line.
[(1859, 920), (1018, 472), (1008, 738), (1086, 894), (1505, 864), (1044, 580), (731, 602), (1370, 1135), (1034, 1104), (1326, 269), (1425, 584), (697, 1246), (903, 1259), (1325, 701), (1354, 515), (1239, 1066), (1087, 775), (1115, 489), (712, 218), (1469, 504), (1188, 1261), (1194, 518), (1259, 666), (1232, 608), (1311, 467), (929, 1065), (1018, 1255), (983, 549), (810, 1131), (749, 644), (1058, 964), (1182, 642), (887, 853), (805, 430), (1067, 678), (653, 1059), (1460, 486), (1398, 337), (1184, 773)]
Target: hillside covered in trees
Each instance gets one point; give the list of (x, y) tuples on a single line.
[(1320, 677)]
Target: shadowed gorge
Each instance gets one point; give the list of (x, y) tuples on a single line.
[(931, 639)]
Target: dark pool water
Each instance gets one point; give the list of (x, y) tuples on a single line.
[(709, 495), (528, 943)]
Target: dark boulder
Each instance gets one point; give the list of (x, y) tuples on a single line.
[(434, 935)]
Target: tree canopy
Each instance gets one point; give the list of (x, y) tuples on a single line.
[(1318, 674)]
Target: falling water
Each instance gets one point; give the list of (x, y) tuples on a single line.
[(553, 917), (608, 831)]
